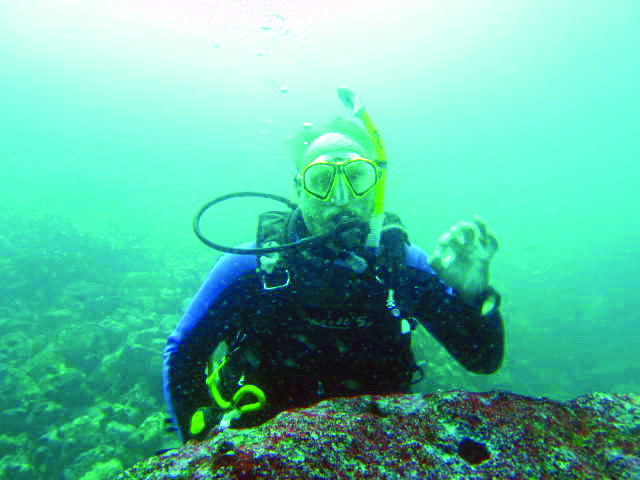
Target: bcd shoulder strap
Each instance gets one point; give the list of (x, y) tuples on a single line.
[(272, 267)]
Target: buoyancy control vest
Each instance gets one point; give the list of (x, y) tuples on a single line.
[(336, 330)]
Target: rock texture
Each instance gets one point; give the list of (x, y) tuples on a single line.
[(437, 436)]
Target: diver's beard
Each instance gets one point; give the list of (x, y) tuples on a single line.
[(349, 234)]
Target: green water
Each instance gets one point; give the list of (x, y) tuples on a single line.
[(119, 121)]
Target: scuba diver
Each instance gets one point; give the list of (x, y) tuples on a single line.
[(323, 302)]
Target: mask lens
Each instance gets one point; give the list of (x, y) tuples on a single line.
[(318, 179), (362, 176)]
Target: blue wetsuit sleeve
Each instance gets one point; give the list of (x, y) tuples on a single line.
[(476, 341), (194, 339)]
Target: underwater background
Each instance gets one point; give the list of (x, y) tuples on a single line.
[(120, 119)]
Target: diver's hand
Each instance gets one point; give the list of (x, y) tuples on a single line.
[(462, 257)]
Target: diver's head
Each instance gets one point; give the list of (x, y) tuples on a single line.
[(336, 178)]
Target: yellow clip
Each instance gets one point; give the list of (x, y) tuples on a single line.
[(212, 382)]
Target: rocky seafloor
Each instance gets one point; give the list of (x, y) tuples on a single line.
[(445, 435)]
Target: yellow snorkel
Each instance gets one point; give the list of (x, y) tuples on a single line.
[(357, 109)]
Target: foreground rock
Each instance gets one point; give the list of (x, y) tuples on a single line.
[(437, 436)]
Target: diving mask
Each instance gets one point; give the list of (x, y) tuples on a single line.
[(320, 177)]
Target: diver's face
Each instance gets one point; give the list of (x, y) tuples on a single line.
[(322, 215)]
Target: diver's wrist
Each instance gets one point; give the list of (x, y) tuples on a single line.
[(489, 301)]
